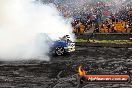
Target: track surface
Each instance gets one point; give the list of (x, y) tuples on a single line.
[(61, 72)]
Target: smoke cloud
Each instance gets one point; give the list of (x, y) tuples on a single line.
[(21, 21)]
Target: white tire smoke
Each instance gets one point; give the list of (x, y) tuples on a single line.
[(21, 21)]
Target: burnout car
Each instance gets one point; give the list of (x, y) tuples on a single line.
[(58, 47), (63, 46)]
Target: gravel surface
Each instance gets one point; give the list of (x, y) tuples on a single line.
[(61, 72)]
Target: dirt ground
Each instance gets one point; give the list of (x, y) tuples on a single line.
[(61, 72)]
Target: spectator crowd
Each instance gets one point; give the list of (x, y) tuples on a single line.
[(99, 17)]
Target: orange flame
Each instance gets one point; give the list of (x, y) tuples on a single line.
[(81, 71)]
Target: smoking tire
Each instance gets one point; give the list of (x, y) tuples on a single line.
[(59, 50)]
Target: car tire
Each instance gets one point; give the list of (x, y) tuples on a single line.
[(59, 50)]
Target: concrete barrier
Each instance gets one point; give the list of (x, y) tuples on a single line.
[(105, 36)]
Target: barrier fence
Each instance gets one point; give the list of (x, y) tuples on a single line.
[(105, 36)]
